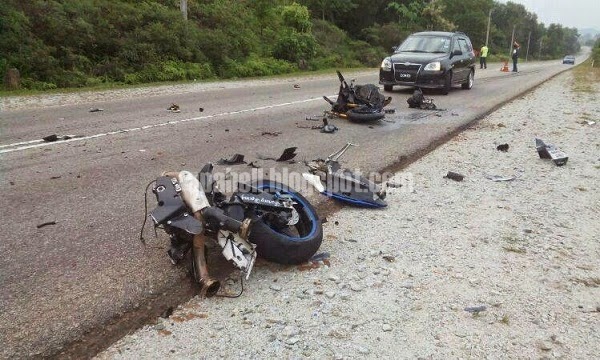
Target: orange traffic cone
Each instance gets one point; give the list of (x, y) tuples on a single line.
[(505, 67)]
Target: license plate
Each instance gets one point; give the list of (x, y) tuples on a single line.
[(404, 75)]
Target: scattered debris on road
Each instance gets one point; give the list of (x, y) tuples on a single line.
[(235, 159), (174, 108), (392, 184), (454, 176), (54, 137), (270, 133), (316, 117), (328, 128), (96, 109), (46, 224), (389, 258), (549, 151), (288, 154), (257, 164), (476, 309), (320, 256), (502, 147), (419, 101), (498, 178), (201, 109)]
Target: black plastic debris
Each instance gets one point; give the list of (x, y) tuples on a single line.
[(54, 137), (236, 159), (174, 108), (288, 154), (549, 151), (502, 147), (271, 133), (419, 101), (46, 224), (96, 109), (257, 164), (389, 111), (454, 176), (201, 109)]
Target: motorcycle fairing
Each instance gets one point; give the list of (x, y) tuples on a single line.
[(347, 186), (374, 203)]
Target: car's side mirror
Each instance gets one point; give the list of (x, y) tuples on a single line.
[(394, 48), (456, 53)]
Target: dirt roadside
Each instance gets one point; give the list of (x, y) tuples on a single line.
[(477, 268)]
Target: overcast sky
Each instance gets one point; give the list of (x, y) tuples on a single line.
[(580, 14)]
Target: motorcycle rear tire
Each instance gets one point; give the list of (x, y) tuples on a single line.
[(282, 248), (364, 116)]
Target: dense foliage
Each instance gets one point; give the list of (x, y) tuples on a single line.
[(75, 43)]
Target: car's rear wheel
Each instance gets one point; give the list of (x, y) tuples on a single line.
[(447, 83), (388, 87), (468, 84)]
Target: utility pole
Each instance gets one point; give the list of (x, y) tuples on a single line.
[(528, 40), (487, 34), (183, 6), (540, 55)]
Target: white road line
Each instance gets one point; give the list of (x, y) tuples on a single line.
[(39, 143)]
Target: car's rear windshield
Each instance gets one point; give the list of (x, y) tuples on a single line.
[(425, 44)]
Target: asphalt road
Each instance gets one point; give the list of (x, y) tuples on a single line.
[(88, 273)]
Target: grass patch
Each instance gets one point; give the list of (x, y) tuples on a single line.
[(120, 86), (585, 77)]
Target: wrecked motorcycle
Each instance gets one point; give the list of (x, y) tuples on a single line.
[(359, 103), (263, 218), (330, 179)]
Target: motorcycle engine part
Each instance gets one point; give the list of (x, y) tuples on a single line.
[(170, 203), (217, 215), (192, 191), (187, 223), (177, 253), (241, 252)]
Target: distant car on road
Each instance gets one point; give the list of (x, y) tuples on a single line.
[(569, 59), (430, 59)]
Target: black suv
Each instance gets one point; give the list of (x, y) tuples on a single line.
[(431, 59)]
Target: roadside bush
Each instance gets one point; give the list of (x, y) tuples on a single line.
[(69, 79), (256, 66), (293, 46), (366, 54), (37, 85), (596, 54), (197, 71)]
